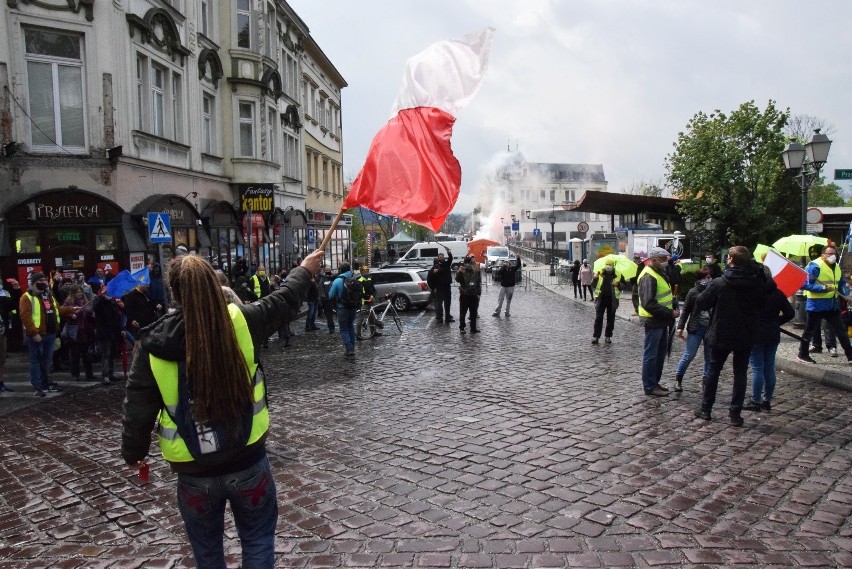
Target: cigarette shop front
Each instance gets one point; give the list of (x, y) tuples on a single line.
[(66, 230)]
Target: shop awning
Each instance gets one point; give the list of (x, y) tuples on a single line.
[(134, 241), (610, 203)]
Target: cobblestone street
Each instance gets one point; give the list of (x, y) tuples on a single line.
[(522, 446)]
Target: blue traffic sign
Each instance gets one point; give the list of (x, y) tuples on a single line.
[(159, 227), (537, 232)]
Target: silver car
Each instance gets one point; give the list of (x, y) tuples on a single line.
[(409, 283)]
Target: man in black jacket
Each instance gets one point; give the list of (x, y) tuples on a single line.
[(508, 276), (470, 289), (440, 280), (736, 299)]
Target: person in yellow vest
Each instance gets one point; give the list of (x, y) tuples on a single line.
[(195, 375), (824, 285), (40, 318), (606, 285), (657, 312)]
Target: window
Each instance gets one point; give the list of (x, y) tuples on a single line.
[(106, 239), (553, 196), (208, 114), (244, 23), (204, 18), (246, 121), (161, 110), (26, 241), (291, 156), (290, 79), (325, 185), (271, 133), (269, 48), (55, 90)]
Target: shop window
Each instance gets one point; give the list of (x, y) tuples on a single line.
[(27, 242), (55, 91), (185, 236), (106, 239)]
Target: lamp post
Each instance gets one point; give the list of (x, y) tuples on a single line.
[(691, 224), (537, 234), (806, 163), (512, 236), (552, 220)]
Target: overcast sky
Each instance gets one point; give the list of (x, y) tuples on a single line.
[(607, 82)]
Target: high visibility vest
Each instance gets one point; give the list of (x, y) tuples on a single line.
[(37, 309), (664, 291), (256, 280), (166, 374), (616, 292), (827, 276)]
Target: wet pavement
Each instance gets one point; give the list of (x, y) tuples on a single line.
[(522, 446)]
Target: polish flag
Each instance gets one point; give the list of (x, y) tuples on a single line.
[(410, 171), (788, 276)]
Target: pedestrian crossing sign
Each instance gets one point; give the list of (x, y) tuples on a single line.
[(159, 227)]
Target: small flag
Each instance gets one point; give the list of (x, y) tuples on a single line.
[(788, 276), (410, 171)]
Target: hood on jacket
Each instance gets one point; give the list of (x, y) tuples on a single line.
[(166, 338)]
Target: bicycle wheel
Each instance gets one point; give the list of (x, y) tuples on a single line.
[(363, 328), (396, 319)]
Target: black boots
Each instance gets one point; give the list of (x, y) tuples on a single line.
[(678, 380), (736, 420)]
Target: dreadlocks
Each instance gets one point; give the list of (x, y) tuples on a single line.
[(216, 370)]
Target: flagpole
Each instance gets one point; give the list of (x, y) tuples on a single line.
[(330, 232)]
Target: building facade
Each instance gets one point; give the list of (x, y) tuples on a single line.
[(192, 108), (531, 192)]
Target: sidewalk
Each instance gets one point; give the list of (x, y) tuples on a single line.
[(834, 372)]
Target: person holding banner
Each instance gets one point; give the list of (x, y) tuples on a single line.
[(823, 289)]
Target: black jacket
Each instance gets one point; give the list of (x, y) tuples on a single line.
[(138, 307), (470, 281), (107, 319), (776, 312), (737, 298), (689, 316), (509, 275), (165, 339)]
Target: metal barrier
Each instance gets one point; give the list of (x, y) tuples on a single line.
[(542, 277)]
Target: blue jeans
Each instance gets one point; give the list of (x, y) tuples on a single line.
[(41, 357), (762, 361), (346, 322), (654, 357), (693, 340), (311, 317), (251, 493)]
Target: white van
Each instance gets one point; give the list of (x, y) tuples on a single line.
[(422, 254), (495, 255)]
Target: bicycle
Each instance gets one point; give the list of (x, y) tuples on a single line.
[(371, 318)]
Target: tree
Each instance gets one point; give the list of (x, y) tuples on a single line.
[(801, 127), (729, 166), (655, 188), (826, 195)]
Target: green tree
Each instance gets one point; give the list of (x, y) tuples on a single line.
[(359, 238), (827, 195), (729, 166)]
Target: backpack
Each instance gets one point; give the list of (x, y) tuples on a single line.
[(208, 442), (350, 296)]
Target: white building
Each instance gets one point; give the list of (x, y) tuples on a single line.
[(194, 108), (529, 192)]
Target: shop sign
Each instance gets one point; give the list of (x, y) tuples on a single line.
[(24, 272), (64, 207), (137, 262), (68, 236), (256, 197), (111, 267)]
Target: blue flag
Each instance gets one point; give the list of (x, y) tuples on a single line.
[(142, 276), (121, 284)]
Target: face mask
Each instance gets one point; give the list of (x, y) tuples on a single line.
[(831, 259), (709, 259), (608, 269), (262, 273), (41, 286)]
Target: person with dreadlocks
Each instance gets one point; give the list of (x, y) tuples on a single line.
[(195, 374)]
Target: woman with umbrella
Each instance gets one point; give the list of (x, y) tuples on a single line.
[(606, 284)]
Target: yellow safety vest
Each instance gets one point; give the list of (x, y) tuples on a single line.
[(827, 275), (664, 291), (166, 374), (256, 280), (37, 309), (615, 290)]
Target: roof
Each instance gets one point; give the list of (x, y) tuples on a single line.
[(402, 237), (568, 172), (619, 204)]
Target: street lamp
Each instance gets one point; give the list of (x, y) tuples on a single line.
[(806, 163), (552, 220), (537, 234), (691, 224)]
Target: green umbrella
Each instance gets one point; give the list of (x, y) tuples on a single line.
[(760, 250), (623, 266), (798, 245)]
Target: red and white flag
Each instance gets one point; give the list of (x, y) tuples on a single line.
[(410, 171), (788, 276)]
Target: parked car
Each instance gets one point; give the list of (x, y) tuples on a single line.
[(408, 282), (495, 255)]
